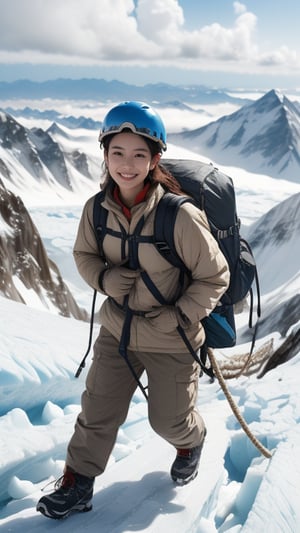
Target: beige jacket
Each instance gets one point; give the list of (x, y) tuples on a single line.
[(194, 244)]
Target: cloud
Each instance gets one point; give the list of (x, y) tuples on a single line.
[(219, 43), (281, 57), (239, 8), (71, 28), (115, 32)]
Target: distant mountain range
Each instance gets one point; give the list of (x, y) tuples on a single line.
[(52, 115), (262, 137), (102, 90)]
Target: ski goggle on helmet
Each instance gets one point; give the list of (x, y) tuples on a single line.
[(139, 117)]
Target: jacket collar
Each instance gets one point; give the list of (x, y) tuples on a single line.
[(140, 197)]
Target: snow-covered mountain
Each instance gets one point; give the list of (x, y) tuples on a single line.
[(31, 159), (263, 136), (34, 168), (275, 240), (24, 264)]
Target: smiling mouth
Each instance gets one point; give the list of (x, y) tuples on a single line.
[(127, 176)]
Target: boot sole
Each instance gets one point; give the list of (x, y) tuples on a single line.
[(79, 508), (184, 481)]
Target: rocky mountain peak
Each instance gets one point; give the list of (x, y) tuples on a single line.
[(24, 263)]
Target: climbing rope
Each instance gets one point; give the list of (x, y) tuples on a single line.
[(240, 364), (234, 407)]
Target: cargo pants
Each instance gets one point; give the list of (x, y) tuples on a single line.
[(172, 394)]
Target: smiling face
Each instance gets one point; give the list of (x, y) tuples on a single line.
[(129, 161)]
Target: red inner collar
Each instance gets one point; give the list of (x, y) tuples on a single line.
[(140, 197)]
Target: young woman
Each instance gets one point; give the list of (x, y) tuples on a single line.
[(133, 138)]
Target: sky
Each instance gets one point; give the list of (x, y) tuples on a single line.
[(220, 43)]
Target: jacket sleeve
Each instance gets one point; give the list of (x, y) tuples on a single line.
[(85, 251), (201, 254)]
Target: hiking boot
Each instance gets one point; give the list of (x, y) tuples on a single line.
[(73, 492), (185, 467)]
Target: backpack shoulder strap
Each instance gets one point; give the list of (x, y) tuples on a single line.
[(99, 220), (100, 214), (164, 223)]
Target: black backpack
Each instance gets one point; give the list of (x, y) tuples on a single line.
[(212, 191)]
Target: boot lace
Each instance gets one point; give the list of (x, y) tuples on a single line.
[(66, 481)]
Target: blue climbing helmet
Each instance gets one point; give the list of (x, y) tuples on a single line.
[(139, 117)]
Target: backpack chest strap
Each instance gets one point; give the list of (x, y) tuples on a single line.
[(132, 240)]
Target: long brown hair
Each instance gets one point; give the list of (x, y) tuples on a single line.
[(158, 175)]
